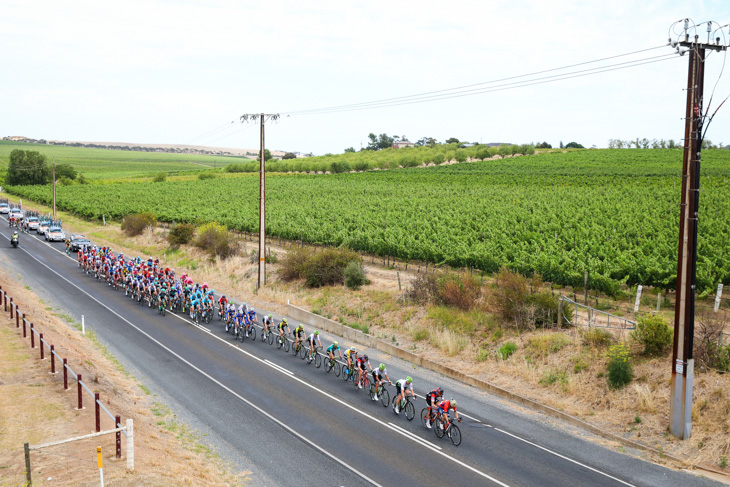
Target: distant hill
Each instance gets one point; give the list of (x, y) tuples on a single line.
[(128, 146)]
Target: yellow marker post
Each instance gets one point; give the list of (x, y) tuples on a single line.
[(101, 469)]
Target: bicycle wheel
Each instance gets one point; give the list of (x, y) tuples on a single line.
[(337, 368), (327, 365), (163, 311), (455, 435), (371, 391), (303, 352), (252, 333), (317, 360), (286, 345), (279, 342), (438, 428), (242, 335), (365, 382), (410, 411), (345, 373), (263, 335), (384, 397), (271, 338), (424, 417)]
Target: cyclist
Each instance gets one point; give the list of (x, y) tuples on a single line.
[(283, 324), (432, 399), (268, 324), (351, 355), (207, 305), (230, 315), (443, 411), (222, 305), (363, 363), (298, 334), (331, 351), (401, 387), (314, 337), (240, 320), (251, 315), (378, 378)]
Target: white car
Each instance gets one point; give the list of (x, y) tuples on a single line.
[(43, 227), (33, 222), (4, 208), (16, 213), (55, 234)]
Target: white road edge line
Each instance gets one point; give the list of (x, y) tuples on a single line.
[(278, 367), (564, 457), (216, 381), (420, 440)]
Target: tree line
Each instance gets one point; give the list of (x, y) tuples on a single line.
[(32, 167)]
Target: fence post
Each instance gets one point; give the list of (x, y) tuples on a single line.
[(32, 337), (560, 312), (658, 302), (96, 411), (65, 375), (118, 424), (718, 297), (638, 299), (5, 298), (28, 479), (398, 274), (81, 401), (25, 334), (53, 361), (130, 444), (40, 345), (11, 308)]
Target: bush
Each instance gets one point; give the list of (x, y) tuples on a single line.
[(422, 289), (206, 175), (708, 333), (620, 372), (355, 275), (135, 224), (597, 337), (321, 268), (216, 240), (181, 234), (160, 177), (520, 302), (506, 350), (654, 333), (459, 290)]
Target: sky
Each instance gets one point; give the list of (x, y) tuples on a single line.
[(184, 71)]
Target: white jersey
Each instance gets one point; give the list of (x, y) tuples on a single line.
[(405, 385)]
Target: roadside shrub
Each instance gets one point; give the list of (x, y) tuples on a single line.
[(506, 350), (181, 234), (216, 240), (355, 275), (160, 177), (321, 268), (136, 223), (459, 290), (520, 302), (422, 289), (597, 337), (292, 265), (620, 371), (654, 333), (708, 352)]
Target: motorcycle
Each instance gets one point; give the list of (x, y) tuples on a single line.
[(14, 241)]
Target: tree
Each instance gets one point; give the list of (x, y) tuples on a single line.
[(65, 171), (426, 141), (452, 140), (544, 145), (289, 155), (574, 145), (561, 145), (350, 149), (383, 141), (28, 167), (267, 155)]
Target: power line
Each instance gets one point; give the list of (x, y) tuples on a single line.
[(447, 90), (506, 86)]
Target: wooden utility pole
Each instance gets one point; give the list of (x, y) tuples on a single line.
[(252, 117), (680, 420), (54, 188)]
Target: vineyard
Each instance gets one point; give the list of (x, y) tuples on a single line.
[(611, 212)]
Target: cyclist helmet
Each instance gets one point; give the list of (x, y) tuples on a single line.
[(316, 332), (408, 379), (440, 391), (283, 320), (453, 403), (365, 357), (382, 367), (223, 297), (252, 309), (336, 344)]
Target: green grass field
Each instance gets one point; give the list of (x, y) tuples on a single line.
[(117, 164)]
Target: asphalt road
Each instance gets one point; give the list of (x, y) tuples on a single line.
[(290, 423)]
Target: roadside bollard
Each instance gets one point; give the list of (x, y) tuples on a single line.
[(81, 401), (25, 334), (17, 317), (96, 410)]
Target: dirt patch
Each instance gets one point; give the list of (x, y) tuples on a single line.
[(35, 408)]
